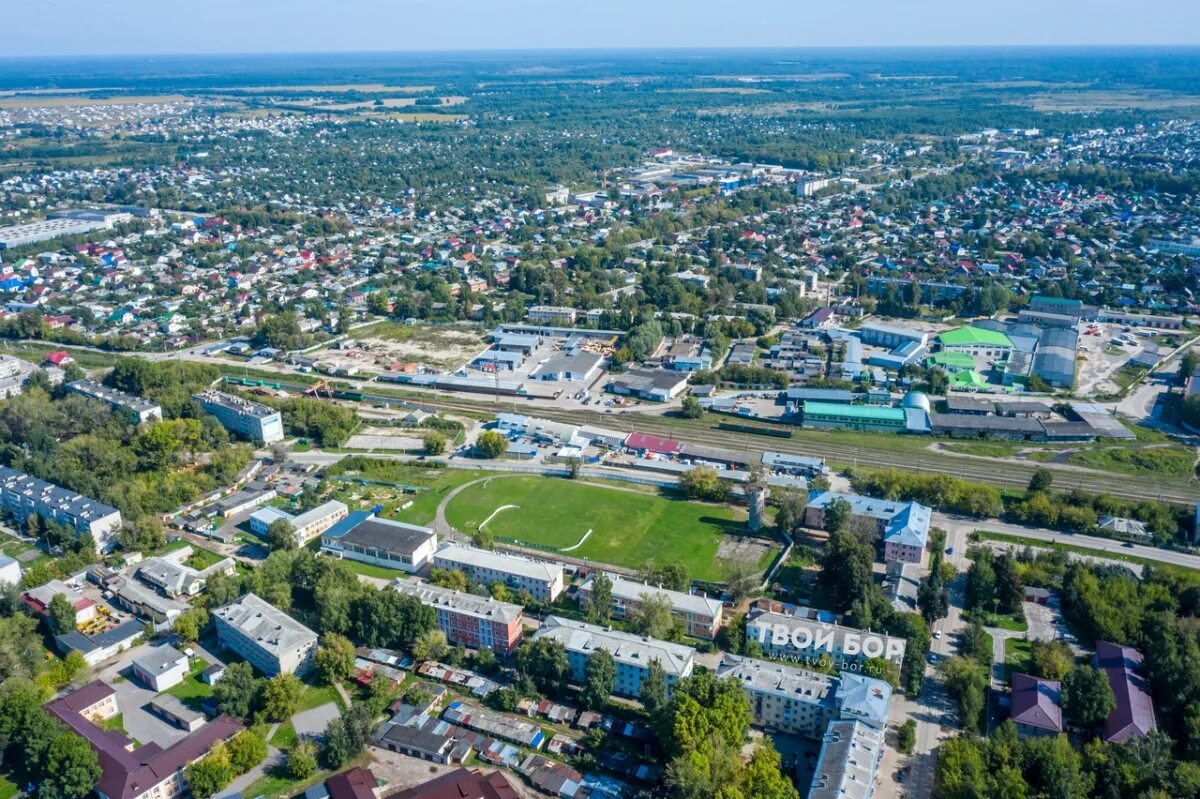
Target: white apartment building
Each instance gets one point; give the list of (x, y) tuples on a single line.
[(23, 496), (632, 654), (248, 419), (271, 640), (137, 409), (543, 580), (701, 616)]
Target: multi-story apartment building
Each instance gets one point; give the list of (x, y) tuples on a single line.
[(248, 419), (137, 409), (364, 537), (126, 772), (632, 654), (271, 640), (475, 622), (848, 762), (23, 496), (308, 525), (799, 702), (904, 526), (700, 616), (543, 580), (551, 314), (783, 635)]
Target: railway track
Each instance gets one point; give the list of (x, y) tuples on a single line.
[(1004, 474)]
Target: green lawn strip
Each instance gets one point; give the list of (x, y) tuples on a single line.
[(285, 736), (991, 449), (628, 528), (117, 723), (1010, 623), (317, 695), (1017, 656), (1094, 553), (8, 788), (1172, 460), (275, 782), (192, 691)]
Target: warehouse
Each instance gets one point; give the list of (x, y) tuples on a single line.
[(976, 341), (854, 417)]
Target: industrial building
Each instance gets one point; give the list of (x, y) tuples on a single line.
[(270, 639), (656, 385), (241, 416), (854, 417), (12, 236), (24, 496), (976, 341)]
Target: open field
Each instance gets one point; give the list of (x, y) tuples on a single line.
[(627, 528), (439, 483), (1110, 100), (74, 101), (444, 347), (415, 116), (335, 87), (390, 102)]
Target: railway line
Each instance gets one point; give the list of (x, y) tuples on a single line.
[(1001, 473)]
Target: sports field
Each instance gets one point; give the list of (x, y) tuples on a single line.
[(628, 527)]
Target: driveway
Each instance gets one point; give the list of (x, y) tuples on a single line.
[(132, 698)]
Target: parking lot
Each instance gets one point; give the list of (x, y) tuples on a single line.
[(133, 696)]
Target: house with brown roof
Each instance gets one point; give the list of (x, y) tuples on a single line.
[(147, 772), (1133, 711), (1036, 706), (462, 784)]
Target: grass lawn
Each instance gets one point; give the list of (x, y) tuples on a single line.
[(317, 695), (8, 788), (984, 449), (439, 482), (1016, 624), (192, 691), (117, 723), (628, 528), (285, 736), (1017, 655), (1172, 460)]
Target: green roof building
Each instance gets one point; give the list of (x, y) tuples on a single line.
[(830, 416), (952, 361), (976, 341)]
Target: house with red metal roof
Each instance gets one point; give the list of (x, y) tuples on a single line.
[(1036, 706), (645, 444), (146, 772), (1133, 712)]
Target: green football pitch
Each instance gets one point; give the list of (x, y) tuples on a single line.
[(628, 527)]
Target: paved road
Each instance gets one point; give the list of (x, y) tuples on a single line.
[(960, 527)]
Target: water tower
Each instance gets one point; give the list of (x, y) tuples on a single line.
[(756, 493)]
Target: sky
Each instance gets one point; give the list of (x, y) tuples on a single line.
[(141, 27)]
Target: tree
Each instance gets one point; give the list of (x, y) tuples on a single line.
[(189, 624), (1053, 767), (906, 737), (1087, 696), (742, 577), (653, 691), (20, 647), (599, 676), (491, 444), (763, 776), (974, 642), (654, 615), (961, 769), (1051, 660), (499, 591), (237, 689), (703, 482), (335, 658), (281, 696), (846, 569), (247, 749), (691, 408), (435, 444), (967, 681), (600, 604), (454, 579), (837, 515), (71, 769), (211, 773), (1041, 480), (302, 760), (933, 598), (281, 535), (430, 646), (544, 661), (61, 614), (790, 509)]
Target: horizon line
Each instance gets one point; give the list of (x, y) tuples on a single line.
[(616, 49)]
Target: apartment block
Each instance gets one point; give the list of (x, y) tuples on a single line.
[(137, 409), (272, 641), (632, 654), (700, 616), (784, 635), (475, 622), (543, 580), (23, 496), (242, 417)]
